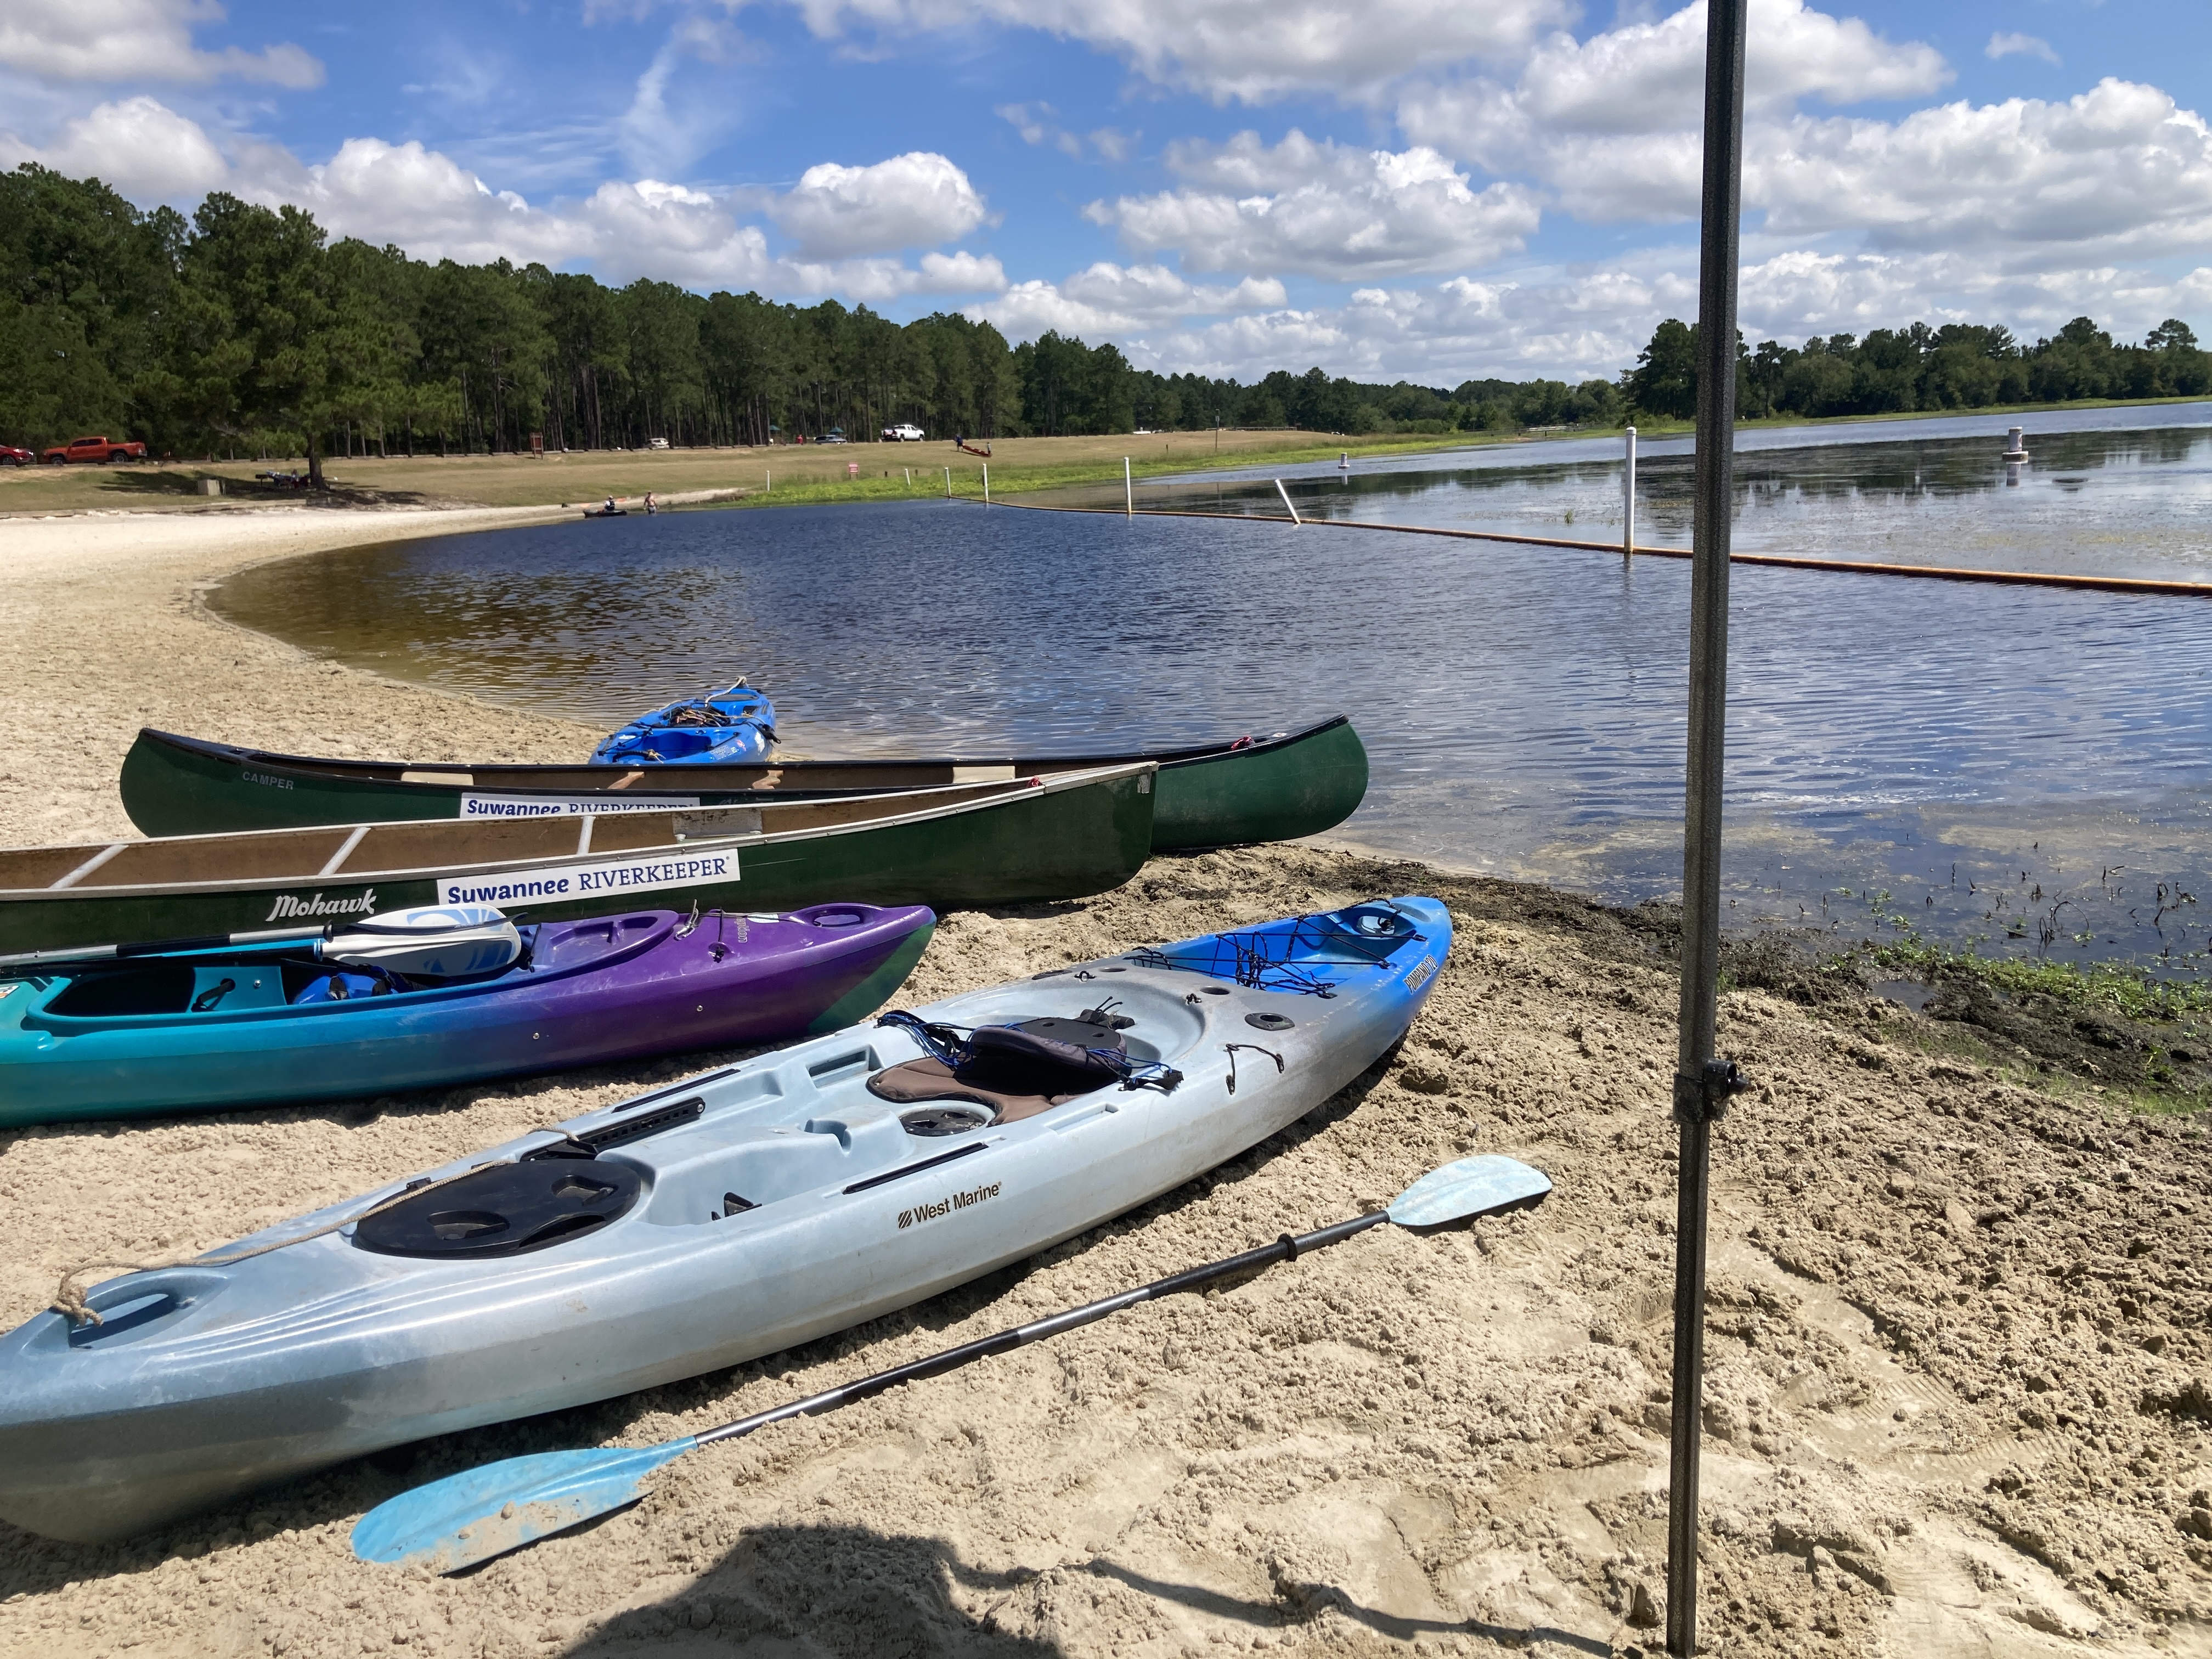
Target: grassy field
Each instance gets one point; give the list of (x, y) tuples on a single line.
[(806, 473)]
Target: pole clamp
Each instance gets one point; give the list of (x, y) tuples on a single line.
[(1704, 1098)]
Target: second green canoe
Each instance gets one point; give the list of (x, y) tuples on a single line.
[(973, 844), (1222, 794)]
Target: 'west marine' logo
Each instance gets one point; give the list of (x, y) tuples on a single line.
[(946, 1206), (289, 905)]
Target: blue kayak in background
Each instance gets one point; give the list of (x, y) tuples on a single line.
[(735, 725)]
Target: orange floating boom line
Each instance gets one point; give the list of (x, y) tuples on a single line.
[(1846, 567)]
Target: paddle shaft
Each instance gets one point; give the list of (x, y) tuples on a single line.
[(1285, 1249), (160, 947)]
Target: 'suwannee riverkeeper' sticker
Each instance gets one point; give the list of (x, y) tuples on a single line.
[(560, 883)]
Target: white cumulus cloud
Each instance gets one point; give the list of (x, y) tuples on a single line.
[(1117, 302), (1247, 50), (1323, 209), (2007, 44), (436, 209), (2119, 171), (916, 200), (137, 40), (1613, 124), (1578, 324), (139, 146)]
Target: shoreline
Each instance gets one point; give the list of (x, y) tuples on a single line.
[(88, 596), (1957, 1357), (816, 474)]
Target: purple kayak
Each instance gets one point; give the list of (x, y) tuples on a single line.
[(236, 1025)]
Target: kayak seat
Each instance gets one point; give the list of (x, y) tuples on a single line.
[(1017, 1072)]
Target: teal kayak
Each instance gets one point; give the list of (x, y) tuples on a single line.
[(231, 1025)]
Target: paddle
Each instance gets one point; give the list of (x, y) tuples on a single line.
[(331, 945), (160, 947), (472, 1517)]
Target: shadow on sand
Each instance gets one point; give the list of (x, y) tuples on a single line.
[(845, 1589)]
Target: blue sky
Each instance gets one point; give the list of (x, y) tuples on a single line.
[(1430, 189)]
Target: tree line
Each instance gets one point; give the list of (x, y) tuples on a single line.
[(1899, 370), (245, 331)]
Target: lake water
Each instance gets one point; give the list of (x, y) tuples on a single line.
[(2028, 768), (2119, 492)]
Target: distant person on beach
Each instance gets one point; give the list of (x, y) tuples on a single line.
[(649, 506)]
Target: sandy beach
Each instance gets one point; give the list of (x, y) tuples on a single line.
[(1961, 1373)]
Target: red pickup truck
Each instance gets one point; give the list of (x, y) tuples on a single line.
[(96, 449)]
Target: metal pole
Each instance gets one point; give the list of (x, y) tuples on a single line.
[(1128, 490), (987, 486), (1702, 1083), (1628, 502), (1287, 507)]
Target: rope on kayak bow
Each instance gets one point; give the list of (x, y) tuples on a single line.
[(946, 1044), (68, 1300)]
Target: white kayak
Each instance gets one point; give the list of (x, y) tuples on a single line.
[(711, 1222)]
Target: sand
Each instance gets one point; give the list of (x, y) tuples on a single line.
[(1959, 1350)]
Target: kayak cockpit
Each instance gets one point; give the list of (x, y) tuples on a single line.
[(1298, 954), (226, 983), (173, 987)]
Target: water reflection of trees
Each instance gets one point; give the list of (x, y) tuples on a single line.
[(1765, 479)]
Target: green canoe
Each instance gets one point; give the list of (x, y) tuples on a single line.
[(1272, 789), (971, 844)]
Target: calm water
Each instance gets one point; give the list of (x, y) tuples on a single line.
[(2032, 768), (2106, 500)]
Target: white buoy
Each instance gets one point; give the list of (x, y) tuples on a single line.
[(2015, 447)]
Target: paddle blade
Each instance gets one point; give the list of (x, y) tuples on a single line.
[(471, 1517), (1472, 1187)]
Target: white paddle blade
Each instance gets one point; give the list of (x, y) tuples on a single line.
[(1472, 1187), (445, 941)]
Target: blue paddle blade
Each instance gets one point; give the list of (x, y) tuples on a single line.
[(1473, 1186), (471, 1517)]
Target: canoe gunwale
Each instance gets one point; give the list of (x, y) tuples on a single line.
[(1003, 793), (392, 773)]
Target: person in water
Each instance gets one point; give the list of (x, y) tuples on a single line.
[(649, 506)]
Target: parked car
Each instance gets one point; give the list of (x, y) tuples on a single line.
[(656, 443), (905, 433), (96, 449), (836, 434), (15, 457)]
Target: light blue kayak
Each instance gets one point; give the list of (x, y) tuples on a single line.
[(731, 726), (705, 1223)]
